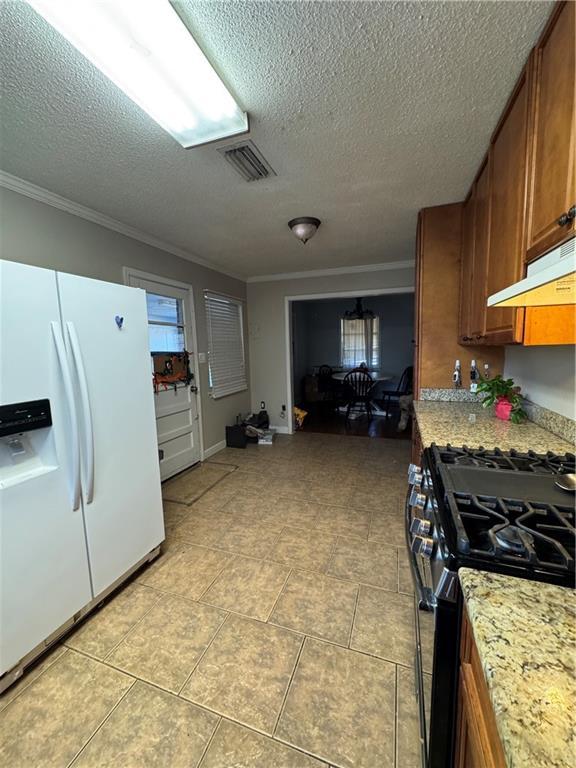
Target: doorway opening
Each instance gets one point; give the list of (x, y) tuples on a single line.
[(172, 342), (351, 362)]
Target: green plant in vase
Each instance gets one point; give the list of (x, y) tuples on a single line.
[(504, 396)]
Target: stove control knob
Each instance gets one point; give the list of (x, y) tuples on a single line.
[(414, 469), (415, 478), (420, 526), (417, 499), (423, 545)]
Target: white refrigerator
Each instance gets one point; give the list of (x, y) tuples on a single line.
[(80, 498)]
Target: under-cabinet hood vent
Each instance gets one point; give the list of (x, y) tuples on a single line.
[(247, 160), (549, 281)]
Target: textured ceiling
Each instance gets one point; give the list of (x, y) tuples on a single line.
[(367, 112)]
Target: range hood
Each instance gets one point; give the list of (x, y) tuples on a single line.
[(550, 280)]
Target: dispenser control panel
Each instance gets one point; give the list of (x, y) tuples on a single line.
[(24, 417)]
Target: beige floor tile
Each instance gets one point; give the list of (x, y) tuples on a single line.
[(212, 500), (150, 729), (341, 707), (52, 719), (249, 507), (343, 521), (316, 605), (298, 513), (106, 627), (174, 513), (426, 622), (408, 754), (248, 586), (164, 647), (30, 674), (382, 497), (405, 583), (190, 572), (388, 529), (384, 625), (190, 485), (170, 546), (306, 549), (368, 562), (323, 492), (204, 530), (234, 746), (245, 673), (255, 540)]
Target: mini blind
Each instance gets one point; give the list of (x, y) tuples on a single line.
[(225, 344)]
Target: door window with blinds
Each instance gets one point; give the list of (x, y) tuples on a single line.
[(226, 360), (165, 323)]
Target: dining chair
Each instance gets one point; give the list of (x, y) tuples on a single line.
[(359, 385), (405, 387)]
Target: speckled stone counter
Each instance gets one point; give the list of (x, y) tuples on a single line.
[(470, 424), (525, 632)]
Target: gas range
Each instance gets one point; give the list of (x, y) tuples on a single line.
[(486, 509), (495, 510)]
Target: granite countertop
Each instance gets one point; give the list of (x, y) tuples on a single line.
[(525, 632), (470, 424)]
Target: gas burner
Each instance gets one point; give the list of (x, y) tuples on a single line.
[(511, 539), (515, 461)]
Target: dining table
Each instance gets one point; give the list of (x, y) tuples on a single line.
[(377, 377)]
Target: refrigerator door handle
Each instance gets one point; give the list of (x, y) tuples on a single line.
[(69, 391), (86, 413)]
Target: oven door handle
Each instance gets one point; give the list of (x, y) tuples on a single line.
[(416, 576)]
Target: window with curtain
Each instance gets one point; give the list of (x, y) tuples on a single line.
[(359, 342), (227, 367)]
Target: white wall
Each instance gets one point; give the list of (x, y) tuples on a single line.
[(35, 233), (546, 375), (267, 325)]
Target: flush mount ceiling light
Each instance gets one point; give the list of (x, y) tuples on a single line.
[(147, 51), (304, 228)]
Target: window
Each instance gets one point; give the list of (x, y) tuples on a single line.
[(360, 342), (165, 323), (225, 344)]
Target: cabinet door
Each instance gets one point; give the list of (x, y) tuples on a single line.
[(552, 190), (467, 261), (506, 249), (481, 237)]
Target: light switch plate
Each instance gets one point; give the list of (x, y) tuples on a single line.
[(201, 357)]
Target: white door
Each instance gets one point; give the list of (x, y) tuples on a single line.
[(177, 420), (107, 337), (44, 578)]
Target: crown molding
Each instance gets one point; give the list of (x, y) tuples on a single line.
[(383, 267), (42, 195)]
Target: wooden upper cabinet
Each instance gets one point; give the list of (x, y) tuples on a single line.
[(481, 235), (507, 240), (552, 178), (466, 268)]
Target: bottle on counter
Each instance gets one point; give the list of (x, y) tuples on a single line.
[(474, 376), (487, 371), (457, 375)]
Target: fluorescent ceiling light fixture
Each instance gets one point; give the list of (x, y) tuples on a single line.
[(146, 50)]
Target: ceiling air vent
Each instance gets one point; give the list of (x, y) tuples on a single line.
[(247, 160)]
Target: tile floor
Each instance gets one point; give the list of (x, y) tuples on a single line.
[(274, 631)]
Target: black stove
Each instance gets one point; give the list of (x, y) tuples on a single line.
[(490, 510), (499, 509)]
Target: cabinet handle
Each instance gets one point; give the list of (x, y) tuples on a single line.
[(564, 219), (480, 336), (466, 338), (572, 213)]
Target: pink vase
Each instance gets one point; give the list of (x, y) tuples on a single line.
[(503, 408)]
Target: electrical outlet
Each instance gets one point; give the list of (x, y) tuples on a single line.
[(262, 405)]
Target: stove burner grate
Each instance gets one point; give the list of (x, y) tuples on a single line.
[(514, 461)]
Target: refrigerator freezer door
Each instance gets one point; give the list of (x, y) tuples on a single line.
[(44, 577), (106, 325)]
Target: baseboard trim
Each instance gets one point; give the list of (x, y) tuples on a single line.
[(283, 430), (213, 449)]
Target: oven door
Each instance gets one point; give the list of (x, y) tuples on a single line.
[(436, 619)]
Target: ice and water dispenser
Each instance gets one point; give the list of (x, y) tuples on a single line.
[(25, 450)]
